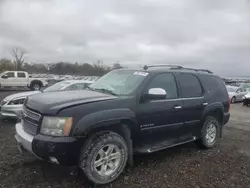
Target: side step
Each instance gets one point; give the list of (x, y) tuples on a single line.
[(150, 148)]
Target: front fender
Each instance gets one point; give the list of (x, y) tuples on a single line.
[(102, 118)]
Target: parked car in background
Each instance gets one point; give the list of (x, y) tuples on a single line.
[(123, 113), (236, 93), (11, 106), (246, 98), (12, 79)]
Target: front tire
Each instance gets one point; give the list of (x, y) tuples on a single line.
[(104, 157), (209, 132), (233, 100)]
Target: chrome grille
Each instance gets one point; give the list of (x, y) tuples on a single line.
[(30, 120), (31, 114)]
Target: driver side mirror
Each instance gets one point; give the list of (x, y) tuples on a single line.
[(4, 76), (155, 94)]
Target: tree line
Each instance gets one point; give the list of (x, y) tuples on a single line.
[(19, 62)]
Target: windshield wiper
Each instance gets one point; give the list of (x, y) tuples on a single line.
[(103, 90)]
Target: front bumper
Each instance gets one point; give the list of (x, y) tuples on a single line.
[(23, 139), (11, 111), (61, 150)]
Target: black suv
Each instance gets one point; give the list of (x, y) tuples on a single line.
[(123, 113)]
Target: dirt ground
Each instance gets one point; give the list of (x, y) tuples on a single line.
[(227, 165)]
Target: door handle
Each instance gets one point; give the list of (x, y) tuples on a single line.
[(205, 104), (177, 107)]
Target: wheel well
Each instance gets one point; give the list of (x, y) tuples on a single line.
[(119, 128), (36, 81), (216, 113), (123, 128)]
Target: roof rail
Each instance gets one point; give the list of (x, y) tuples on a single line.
[(202, 70), (162, 65), (177, 67)]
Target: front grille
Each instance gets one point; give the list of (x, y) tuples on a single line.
[(31, 114), (30, 120)]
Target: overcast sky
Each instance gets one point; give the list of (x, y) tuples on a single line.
[(213, 34)]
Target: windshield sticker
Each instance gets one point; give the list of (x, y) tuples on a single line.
[(141, 73)]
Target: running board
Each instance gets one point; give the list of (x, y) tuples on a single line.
[(161, 145)]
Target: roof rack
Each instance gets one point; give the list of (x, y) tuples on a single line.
[(202, 70), (177, 67), (162, 65)]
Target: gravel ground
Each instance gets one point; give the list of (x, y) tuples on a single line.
[(227, 165)]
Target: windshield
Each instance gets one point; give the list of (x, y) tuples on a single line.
[(231, 89), (119, 82), (56, 87)]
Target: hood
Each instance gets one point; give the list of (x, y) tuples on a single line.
[(20, 95), (52, 102)]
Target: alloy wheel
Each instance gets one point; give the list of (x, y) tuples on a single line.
[(107, 160), (211, 133)]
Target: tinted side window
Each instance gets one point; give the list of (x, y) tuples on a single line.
[(81, 85), (189, 85), (21, 75), (213, 84), (71, 87), (167, 82), (10, 74)]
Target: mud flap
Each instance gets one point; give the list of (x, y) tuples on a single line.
[(128, 139), (221, 131)]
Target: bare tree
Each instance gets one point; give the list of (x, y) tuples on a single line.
[(18, 54), (117, 65)]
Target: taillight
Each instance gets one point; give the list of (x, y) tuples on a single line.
[(229, 103)]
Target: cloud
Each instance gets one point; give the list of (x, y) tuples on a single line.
[(195, 33)]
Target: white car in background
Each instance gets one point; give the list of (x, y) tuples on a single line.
[(236, 93), (14, 79), (11, 106)]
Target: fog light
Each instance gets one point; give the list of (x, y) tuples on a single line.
[(53, 160)]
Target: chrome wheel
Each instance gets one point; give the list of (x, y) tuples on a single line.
[(211, 133), (107, 160)]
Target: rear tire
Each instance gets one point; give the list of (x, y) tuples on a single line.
[(35, 86), (104, 157), (209, 132)]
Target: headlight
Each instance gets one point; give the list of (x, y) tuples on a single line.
[(56, 126), (3, 102), (16, 101)]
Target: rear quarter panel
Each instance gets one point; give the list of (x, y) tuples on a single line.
[(216, 92)]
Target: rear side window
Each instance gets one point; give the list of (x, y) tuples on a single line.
[(21, 75), (213, 83), (81, 85), (71, 87), (78, 86), (167, 82), (189, 85)]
